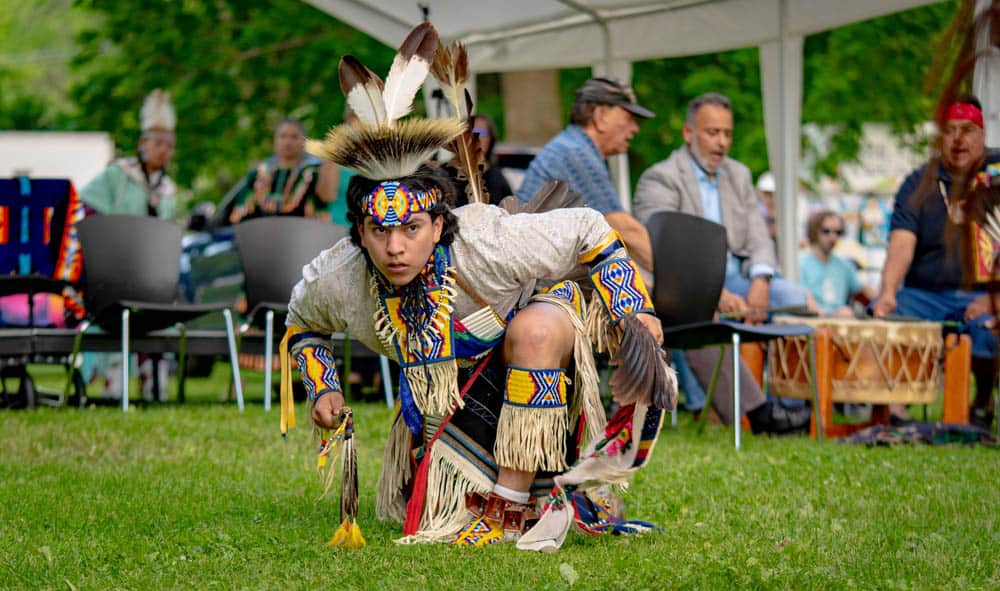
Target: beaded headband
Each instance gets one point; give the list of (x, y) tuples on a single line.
[(392, 203)]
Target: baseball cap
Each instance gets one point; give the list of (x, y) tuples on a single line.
[(607, 91)]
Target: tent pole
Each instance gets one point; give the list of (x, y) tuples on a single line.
[(781, 82), (986, 79)]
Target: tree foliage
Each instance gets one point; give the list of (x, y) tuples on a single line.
[(234, 67), (35, 49)]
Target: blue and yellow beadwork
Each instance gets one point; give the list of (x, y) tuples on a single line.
[(536, 388), (620, 288), (608, 246), (319, 374), (569, 291), (392, 203)]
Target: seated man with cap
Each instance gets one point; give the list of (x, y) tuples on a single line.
[(604, 118)]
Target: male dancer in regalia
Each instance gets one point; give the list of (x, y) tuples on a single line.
[(497, 385)]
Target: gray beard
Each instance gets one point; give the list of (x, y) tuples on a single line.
[(696, 154)]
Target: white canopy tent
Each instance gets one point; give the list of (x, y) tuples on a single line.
[(609, 35)]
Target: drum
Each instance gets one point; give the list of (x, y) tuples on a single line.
[(872, 361)]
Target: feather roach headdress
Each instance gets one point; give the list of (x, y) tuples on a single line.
[(157, 112), (378, 145)]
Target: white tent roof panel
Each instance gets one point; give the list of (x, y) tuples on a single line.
[(530, 34), (509, 35)]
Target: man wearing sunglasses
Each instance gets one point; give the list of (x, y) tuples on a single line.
[(830, 279)]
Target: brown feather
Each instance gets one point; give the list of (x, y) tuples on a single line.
[(554, 194), (349, 482), (441, 66), (468, 161), (642, 374), (422, 41), (362, 89), (409, 70)]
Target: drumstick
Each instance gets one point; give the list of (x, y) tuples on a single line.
[(792, 310), (956, 324)]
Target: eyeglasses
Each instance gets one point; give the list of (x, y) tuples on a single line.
[(832, 231), (482, 131)]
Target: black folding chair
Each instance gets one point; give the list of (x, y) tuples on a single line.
[(132, 266), (689, 260), (273, 251)]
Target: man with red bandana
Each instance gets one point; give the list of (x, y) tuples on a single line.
[(922, 276)]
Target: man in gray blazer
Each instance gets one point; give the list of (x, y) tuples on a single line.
[(700, 179)]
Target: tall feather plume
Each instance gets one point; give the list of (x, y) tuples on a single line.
[(451, 69), (409, 69), (363, 90)]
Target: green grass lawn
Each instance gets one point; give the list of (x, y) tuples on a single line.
[(200, 496)]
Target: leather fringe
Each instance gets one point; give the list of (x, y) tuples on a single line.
[(532, 438), (448, 479), (396, 471)]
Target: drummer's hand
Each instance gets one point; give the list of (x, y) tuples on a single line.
[(884, 305), (757, 300), (326, 411), (653, 325), (730, 303), (978, 307)]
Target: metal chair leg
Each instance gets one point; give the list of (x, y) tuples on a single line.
[(815, 388), (383, 362), (182, 364), (125, 360), (737, 409), (77, 343), (234, 361), (711, 390), (268, 353)]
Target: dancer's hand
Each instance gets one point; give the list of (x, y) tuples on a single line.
[(653, 325), (326, 411)]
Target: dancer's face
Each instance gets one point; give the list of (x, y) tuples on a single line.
[(401, 252)]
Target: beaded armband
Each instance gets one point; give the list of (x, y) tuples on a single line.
[(619, 286), (318, 369)]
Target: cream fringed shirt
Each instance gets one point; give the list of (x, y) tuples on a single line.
[(498, 255)]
